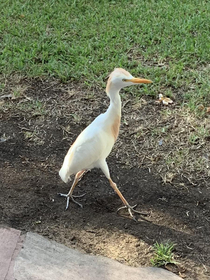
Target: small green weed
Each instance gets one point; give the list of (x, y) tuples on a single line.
[(18, 91), (163, 254), (199, 135)]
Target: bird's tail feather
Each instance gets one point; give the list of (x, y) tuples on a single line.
[(64, 174)]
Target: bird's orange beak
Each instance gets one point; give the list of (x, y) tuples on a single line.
[(138, 81)]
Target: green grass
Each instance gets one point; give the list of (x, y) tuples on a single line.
[(163, 254), (166, 41)]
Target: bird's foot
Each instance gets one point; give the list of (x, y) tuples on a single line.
[(72, 198), (131, 209)]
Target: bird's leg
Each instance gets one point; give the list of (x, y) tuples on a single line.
[(80, 175), (104, 167), (126, 204), (69, 195)]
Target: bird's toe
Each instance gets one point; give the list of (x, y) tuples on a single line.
[(131, 210)]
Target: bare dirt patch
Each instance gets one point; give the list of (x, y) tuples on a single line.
[(40, 121)]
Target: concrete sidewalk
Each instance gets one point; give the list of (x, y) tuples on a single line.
[(37, 258)]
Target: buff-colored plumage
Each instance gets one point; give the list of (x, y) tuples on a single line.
[(95, 142)]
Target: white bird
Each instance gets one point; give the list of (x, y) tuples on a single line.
[(95, 142)]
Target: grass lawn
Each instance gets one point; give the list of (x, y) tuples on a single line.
[(166, 41)]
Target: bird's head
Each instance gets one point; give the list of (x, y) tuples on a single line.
[(121, 78)]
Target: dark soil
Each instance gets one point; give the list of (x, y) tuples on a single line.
[(36, 130)]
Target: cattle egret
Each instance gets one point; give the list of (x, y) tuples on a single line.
[(95, 142)]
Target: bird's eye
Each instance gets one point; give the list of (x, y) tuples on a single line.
[(124, 80)]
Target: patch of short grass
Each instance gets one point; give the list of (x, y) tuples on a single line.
[(166, 41), (23, 104), (33, 137), (18, 91), (163, 254)]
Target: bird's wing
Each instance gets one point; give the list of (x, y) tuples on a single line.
[(93, 144)]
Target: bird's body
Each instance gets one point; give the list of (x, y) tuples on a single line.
[(89, 149), (95, 142), (92, 146)]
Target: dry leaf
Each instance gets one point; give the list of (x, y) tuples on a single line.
[(201, 107), (164, 100), (168, 177), (208, 110)]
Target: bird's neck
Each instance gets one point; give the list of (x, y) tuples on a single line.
[(113, 114), (114, 109)]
